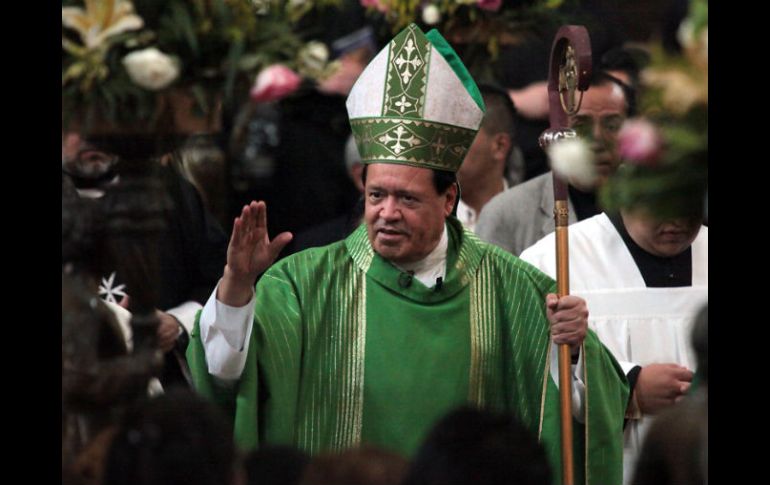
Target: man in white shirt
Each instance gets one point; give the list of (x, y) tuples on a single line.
[(644, 275)]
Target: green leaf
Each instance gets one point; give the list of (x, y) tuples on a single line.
[(73, 72), (73, 48)]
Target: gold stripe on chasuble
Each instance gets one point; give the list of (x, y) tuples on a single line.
[(484, 338), (546, 374), (350, 346)]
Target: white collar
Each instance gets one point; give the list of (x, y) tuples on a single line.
[(467, 215), (97, 192), (91, 193)]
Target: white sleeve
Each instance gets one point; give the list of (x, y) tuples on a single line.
[(578, 382), (225, 333)]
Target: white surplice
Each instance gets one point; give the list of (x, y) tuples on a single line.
[(639, 325)]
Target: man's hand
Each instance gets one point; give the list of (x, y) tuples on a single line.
[(661, 385), (568, 316), (249, 253), (168, 331)]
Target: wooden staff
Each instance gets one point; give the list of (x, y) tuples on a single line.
[(569, 71)]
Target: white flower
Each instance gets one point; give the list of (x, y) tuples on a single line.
[(313, 57), (431, 15), (317, 51), (696, 45), (151, 69), (262, 6), (572, 158), (685, 34), (100, 20)]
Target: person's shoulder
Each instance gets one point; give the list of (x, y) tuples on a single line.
[(519, 199), (538, 246), (311, 260), (701, 243), (508, 265), (513, 217), (523, 191), (312, 273), (531, 186), (596, 224), (597, 230), (316, 255)]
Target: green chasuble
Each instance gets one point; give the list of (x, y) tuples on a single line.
[(345, 352)]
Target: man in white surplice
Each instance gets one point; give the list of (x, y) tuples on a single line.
[(643, 280)]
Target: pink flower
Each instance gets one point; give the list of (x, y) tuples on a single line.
[(492, 5), (378, 4), (640, 143), (273, 83)]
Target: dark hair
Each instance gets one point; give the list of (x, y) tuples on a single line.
[(275, 465), (602, 77), (367, 465), (500, 115), (475, 447), (175, 439), (442, 179), (628, 59), (83, 233)]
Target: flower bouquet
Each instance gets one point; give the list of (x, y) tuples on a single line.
[(133, 63)]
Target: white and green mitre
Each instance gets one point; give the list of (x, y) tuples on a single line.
[(415, 104)]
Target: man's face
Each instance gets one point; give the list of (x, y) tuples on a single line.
[(79, 158), (404, 213), (665, 238), (601, 115)]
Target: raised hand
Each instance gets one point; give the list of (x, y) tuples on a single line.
[(249, 253)]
